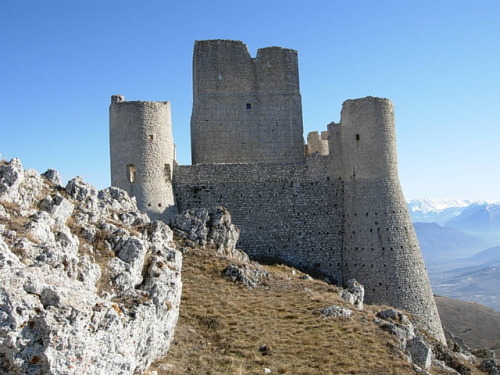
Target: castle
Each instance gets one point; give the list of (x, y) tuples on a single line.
[(333, 207)]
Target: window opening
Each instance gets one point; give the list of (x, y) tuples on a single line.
[(249, 106), (357, 137), (131, 172), (168, 173)]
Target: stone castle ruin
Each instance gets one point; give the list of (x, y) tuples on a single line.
[(333, 207)]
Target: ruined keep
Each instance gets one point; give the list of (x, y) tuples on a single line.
[(333, 207)]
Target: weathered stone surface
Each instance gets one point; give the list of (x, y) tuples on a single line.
[(88, 284), (249, 274), (353, 292), (420, 352), (336, 312), (212, 227), (52, 176)]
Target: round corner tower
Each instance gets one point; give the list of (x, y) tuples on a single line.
[(142, 154), (380, 248)]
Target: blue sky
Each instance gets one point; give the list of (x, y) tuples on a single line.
[(438, 61)]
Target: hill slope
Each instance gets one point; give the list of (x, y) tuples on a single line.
[(223, 324), (478, 326)]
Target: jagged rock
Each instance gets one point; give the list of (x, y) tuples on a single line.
[(249, 274), (396, 323), (83, 192), (59, 208), (420, 352), (336, 312), (11, 175), (88, 285), (52, 176), (209, 227), (21, 187), (354, 293), (443, 355)]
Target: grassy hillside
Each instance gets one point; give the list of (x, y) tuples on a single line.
[(223, 324), (477, 325)]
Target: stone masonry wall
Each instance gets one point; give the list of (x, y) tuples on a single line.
[(381, 250), (245, 109), (286, 212)]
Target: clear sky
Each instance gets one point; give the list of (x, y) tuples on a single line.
[(437, 60)]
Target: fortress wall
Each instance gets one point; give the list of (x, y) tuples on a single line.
[(244, 109), (286, 212), (142, 153)]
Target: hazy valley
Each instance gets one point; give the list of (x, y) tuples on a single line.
[(460, 242)]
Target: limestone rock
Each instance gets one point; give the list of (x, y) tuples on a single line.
[(211, 227), (88, 284), (420, 352), (396, 323), (353, 292), (249, 274), (336, 312), (20, 187), (52, 176)]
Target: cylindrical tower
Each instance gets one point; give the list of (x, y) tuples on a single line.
[(380, 248), (142, 153)]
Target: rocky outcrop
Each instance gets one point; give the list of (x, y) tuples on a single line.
[(209, 227), (251, 274), (422, 351), (418, 351), (354, 293), (336, 312), (88, 284)]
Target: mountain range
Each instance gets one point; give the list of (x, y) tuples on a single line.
[(460, 242)]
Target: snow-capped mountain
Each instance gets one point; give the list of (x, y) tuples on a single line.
[(480, 217), (436, 210), (457, 268)]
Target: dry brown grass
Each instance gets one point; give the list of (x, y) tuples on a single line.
[(223, 324)]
